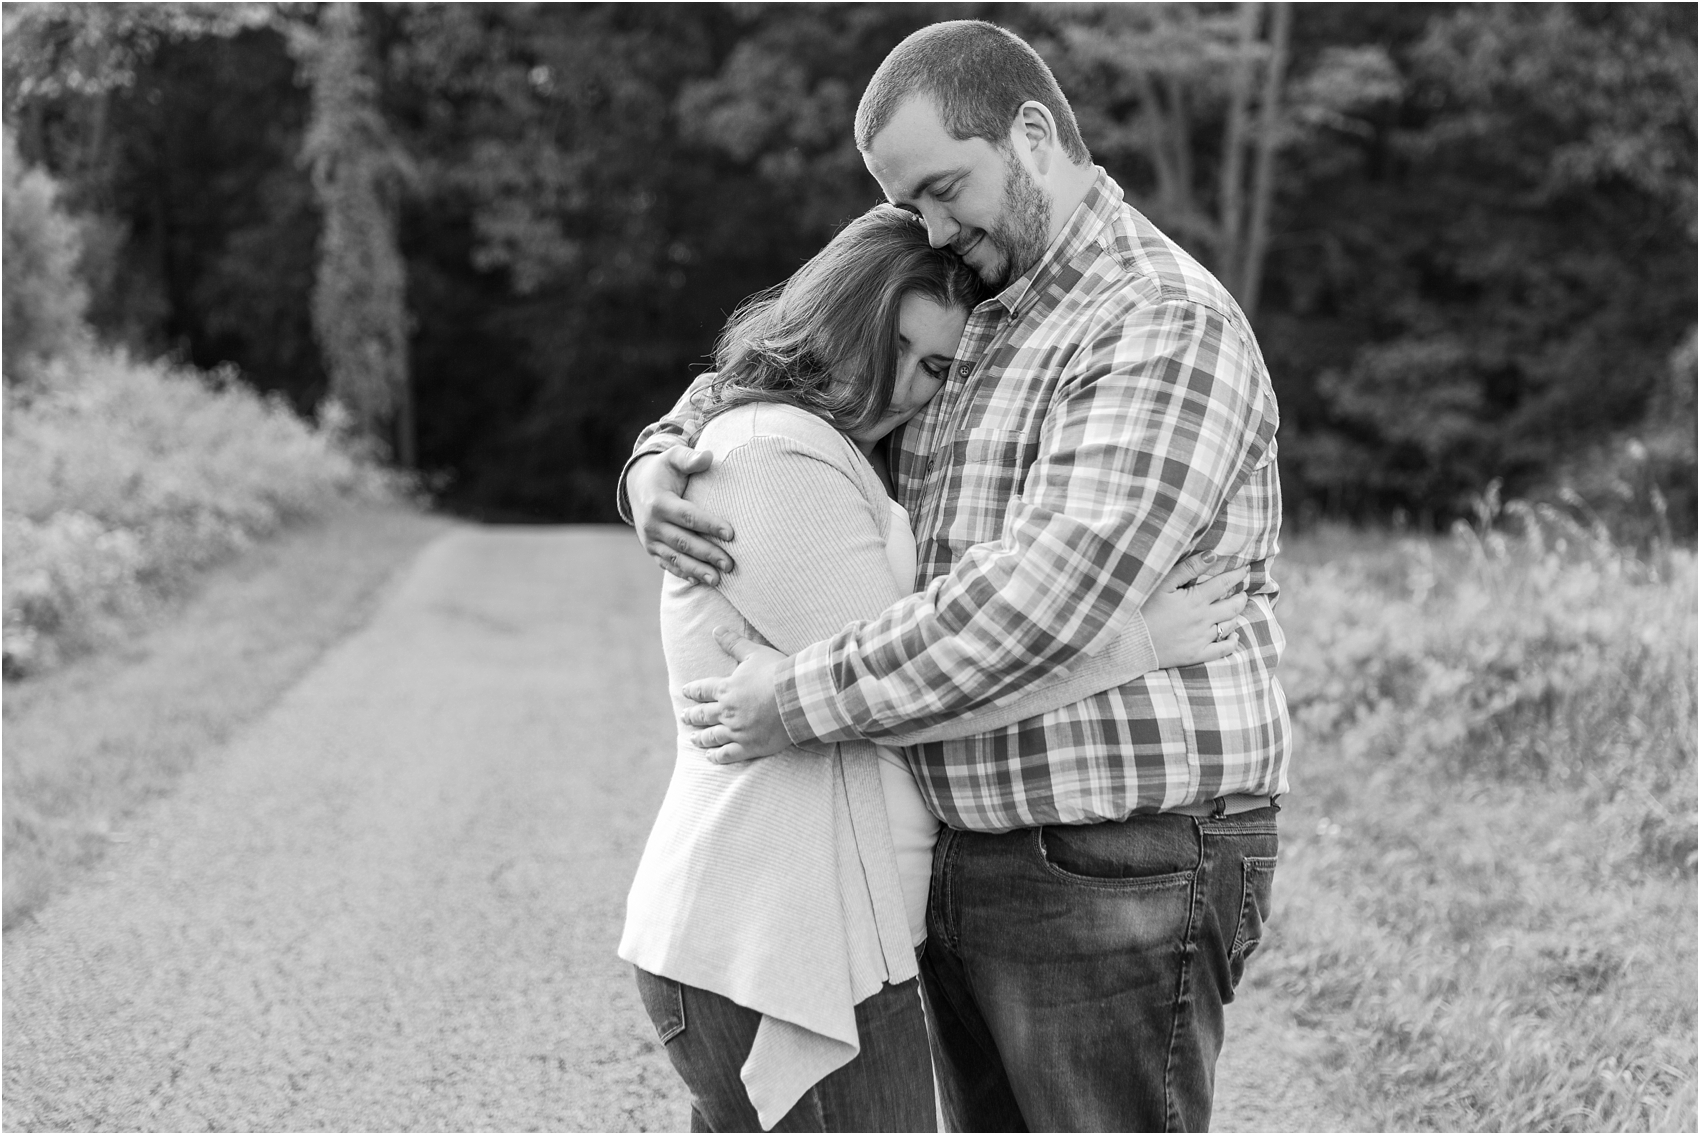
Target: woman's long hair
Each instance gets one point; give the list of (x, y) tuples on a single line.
[(837, 317)]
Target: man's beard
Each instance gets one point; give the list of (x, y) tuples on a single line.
[(1022, 232)]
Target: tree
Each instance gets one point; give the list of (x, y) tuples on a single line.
[(44, 297), (1153, 83), (359, 291)]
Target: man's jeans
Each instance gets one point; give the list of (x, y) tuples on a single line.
[(1075, 976), (888, 1087)]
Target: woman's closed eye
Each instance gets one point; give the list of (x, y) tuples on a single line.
[(938, 370)]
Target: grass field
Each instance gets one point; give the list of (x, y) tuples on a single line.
[(1486, 904)]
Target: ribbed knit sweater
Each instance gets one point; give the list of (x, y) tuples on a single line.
[(773, 882)]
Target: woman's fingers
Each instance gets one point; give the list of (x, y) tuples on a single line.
[(1217, 586), (1183, 574), (1224, 648), (1226, 610)]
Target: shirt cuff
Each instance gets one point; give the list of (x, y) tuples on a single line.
[(656, 443), (808, 701), (1139, 644)]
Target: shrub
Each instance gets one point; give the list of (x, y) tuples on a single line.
[(43, 295), (124, 478)]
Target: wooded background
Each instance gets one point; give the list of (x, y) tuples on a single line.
[(504, 236)]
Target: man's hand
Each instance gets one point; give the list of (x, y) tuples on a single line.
[(740, 711), (671, 529)]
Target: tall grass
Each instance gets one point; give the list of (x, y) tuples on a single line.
[(1490, 906), (124, 478)]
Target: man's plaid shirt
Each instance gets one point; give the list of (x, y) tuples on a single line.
[(1109, 414)]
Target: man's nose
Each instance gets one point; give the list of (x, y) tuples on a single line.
[(941, 229)]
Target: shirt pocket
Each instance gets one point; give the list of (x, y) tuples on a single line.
[(986, 469)]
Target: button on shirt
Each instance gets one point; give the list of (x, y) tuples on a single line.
[(1110, 414)]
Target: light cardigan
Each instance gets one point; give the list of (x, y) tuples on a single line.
[(773, 882)]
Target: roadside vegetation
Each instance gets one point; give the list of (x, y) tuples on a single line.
[(126, 482), (1486, 903), (123, 477)]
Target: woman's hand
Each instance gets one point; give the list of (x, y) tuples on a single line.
[(671, 529), (1191, 615)]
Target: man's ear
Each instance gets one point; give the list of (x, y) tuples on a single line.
[(1035, 133)]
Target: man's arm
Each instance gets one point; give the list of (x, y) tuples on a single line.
[(1142, 445), (650, 494)]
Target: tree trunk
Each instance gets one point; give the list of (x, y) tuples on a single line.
[(1268, 124), (1231, 203), (359, 292)]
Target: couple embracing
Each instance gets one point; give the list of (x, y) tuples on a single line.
[(980, 735)]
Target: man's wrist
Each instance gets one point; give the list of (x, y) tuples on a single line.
[(808, 701)]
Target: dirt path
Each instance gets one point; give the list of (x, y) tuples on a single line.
[(393, 901)]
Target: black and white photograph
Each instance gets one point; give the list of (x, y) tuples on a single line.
[(849, 567)]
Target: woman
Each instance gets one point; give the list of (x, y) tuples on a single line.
[(776, 912)]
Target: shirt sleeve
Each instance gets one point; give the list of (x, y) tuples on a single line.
[(681, 426), (1129, 656), (1150, 430)]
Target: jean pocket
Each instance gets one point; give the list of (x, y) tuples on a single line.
[(1257, 888), (664, 1001), (1102, 855)]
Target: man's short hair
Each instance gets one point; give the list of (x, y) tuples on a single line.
[(977, 75)]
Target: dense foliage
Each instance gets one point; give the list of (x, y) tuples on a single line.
[(1476, 260)]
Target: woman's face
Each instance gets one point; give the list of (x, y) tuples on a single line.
[(927, 333)]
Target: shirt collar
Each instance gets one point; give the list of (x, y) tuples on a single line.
[(1096, 210)]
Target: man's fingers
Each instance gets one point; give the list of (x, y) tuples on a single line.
[(702, 715), (664, 532), (688, 461), (676, 510), (734, 643), (702, 690), (713, 737), (727, 755)]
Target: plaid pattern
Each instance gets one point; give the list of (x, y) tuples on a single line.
[(1110, 413)]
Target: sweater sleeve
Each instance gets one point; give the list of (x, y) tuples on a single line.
[(811, 557)]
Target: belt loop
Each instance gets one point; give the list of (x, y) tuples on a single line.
[(1274, 801), (1220, 809)]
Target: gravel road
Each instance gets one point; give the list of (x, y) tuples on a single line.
[(392, 903)]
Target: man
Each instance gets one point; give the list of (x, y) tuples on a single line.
[(1106, 867)]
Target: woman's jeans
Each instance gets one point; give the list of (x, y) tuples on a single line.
[(1075, 976), (888, 1087)]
